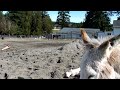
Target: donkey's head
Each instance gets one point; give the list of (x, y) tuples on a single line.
[(95, 62)]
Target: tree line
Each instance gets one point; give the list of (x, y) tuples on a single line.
[(25, 23), (93, 19), (39, 22)]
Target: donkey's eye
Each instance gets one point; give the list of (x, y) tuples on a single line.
[(90, 77)]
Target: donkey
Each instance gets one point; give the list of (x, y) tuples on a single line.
[(101, 59)]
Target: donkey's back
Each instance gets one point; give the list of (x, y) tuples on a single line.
[(114, 59)]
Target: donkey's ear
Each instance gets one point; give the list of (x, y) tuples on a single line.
[(110, 43), (105, 49), (86, 39), (104, 46), (107, 46)]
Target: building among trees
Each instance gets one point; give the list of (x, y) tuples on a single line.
[(115, 31), (116, 27)]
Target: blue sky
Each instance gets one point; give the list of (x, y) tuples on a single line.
[(76, 16)]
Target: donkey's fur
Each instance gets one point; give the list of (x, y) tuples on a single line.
[(101, 59)]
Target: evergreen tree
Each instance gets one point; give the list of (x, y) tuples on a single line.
[(15, 17), (36, 25), (13, 29), (3, 28), (76, 25), (63, 18), (29, 22), (97, 19), (26, 22), (22, 19), (10, 27), (47, 24)]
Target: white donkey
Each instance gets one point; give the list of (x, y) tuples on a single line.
[(101, 59)]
